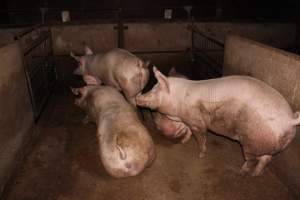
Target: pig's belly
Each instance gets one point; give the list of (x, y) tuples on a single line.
[(223, 120), (225, 128)]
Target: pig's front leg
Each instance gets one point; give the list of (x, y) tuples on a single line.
[(186, 137), (201, 140)]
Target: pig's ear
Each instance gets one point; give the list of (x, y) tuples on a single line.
[(162, 80), (172, 71), (74, 90), (77, 71), (143, 64), (88, 50), (147, 63), (78, 91), (77, 58)]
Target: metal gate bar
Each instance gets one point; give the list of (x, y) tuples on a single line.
[(39, 66)]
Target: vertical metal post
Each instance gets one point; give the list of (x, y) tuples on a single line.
[(192, 36), (120, 29), (191, 19), (297, 39), (219, 9)]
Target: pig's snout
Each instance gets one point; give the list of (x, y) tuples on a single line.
[(133, 169), (141, 101), (125, 168), (77, 102), (146, 101), (128, 168)]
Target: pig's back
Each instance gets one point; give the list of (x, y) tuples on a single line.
[(253, 92), (117, 64), (104, 97), (244, 89), (250, 95)]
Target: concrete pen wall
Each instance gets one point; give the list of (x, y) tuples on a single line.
[(16, 117)]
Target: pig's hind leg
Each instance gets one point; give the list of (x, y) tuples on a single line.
[(262, 162), (248, 164)]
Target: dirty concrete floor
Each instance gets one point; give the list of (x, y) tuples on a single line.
[(64, 165)]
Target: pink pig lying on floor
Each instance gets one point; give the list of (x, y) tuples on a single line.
[(125, 145), (239, 107), (117, 68)]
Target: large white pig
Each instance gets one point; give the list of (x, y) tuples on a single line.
[(118, 68), (239, 107), (125, 146)]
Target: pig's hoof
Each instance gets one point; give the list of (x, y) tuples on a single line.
[(184, 140), (256, 173), (243, 172), (202, 154)]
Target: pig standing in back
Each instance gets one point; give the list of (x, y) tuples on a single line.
[(125, 146), (172, 127), (239, 107), (117, 68)]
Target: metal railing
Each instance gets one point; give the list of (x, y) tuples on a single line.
[(39, 66), (208, 50)]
